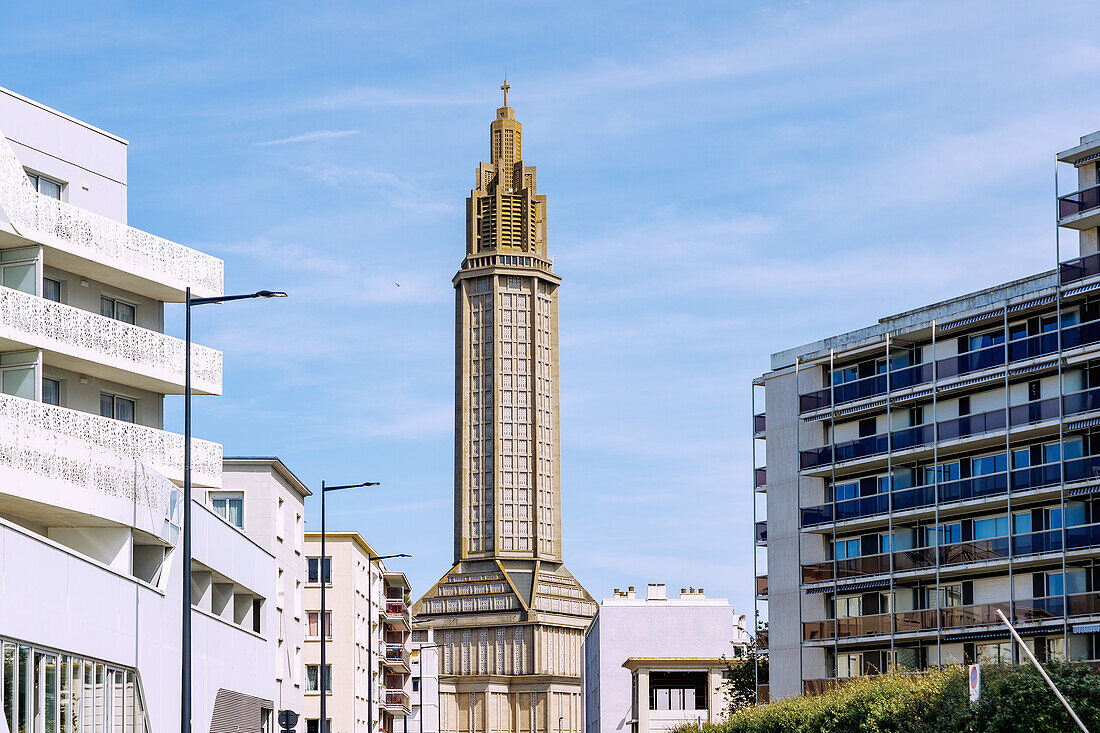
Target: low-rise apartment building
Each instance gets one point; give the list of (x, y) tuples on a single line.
[(934, 468), (265, 500), (424, 700), (367, 641), (90, 505), (653, 663)]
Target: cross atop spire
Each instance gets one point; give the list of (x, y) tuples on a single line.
[(505, 87)]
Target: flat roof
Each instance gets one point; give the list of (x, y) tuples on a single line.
[(277, 464), (353, 536), (635, 662), (70, 118)]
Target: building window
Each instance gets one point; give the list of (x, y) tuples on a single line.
[(117, 309), (51, 289), (51, 391), (677, 690), (314, 618), (415, 684), (46, 186), (312, 681), (229, 507), (120, 408), (313, 564), (313, 725)]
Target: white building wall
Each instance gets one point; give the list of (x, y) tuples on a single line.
[(634, 627)]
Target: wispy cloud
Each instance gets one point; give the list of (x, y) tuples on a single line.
[(311, 137)]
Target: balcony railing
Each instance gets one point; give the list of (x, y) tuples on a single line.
[(759, 424), (397, 653), (762, 639), (761, 585), (962, 427), (45, 324), (1078, 201), (1080, 268), (99, 239), (976, 487), (395, 608), (397, 699), (762, 531), (997, 548), (953, 617), (158, 449), (993, 356), (760, 477)]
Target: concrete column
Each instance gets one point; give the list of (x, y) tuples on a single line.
[(641, 701)]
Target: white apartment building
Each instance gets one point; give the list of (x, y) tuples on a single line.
[(90, 510), (424, 701), (265, 500), (367, 640), (654, 663)]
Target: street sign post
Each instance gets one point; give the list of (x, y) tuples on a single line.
[(975, 679), (288, 719)]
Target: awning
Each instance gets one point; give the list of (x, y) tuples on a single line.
[(968, 382), (967, 321), (1001, 633), (1091, 422), (850, 587), (1033, 367), (1084, 490), (1086, 628), (1032, 303), (1083, 289)]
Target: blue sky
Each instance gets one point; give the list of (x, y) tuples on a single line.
[(725, 180)]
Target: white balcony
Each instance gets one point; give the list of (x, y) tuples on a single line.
[(89, 343), (98, 247), (36, 422)]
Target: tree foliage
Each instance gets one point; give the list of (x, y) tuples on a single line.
[(1014, 699)]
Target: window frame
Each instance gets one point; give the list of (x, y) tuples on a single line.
[(115, 303), (115, 397)]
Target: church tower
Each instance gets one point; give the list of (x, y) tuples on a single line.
[(509, 618)]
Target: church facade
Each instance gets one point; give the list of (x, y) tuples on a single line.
[(508, 618)]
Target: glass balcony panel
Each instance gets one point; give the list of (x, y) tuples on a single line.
[(972, 362), (1080, 469), (1079, 269), (1078, 201), (1038, 609), (1079, 402), (975, 551), (1087, 535), (1036, 542), (1029, 348), (1036, 476), (975, 615), (759, 422), (914, 620), (962, 427), (816, 630), (912, 437), (815, 515), (761, 531), (1034, 412), (910, 376), (915, 497), (915, 559), (1084, 604), (760, 476), (1083, 334), (761, 585)]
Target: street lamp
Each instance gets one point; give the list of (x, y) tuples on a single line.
[(370, 638), (322, 675), (185, 651)]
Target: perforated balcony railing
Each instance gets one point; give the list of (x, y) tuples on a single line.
[(158, 449), (98, 239), (104, 344)]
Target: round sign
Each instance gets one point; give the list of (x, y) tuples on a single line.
[(288, 719)]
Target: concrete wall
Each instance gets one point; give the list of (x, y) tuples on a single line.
[(650, 630)]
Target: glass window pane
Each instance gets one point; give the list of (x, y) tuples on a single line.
[(51, 391), (124, 409), (11, 682), (51, 290), (49, 188), (236, 512), (49, 673), (124, 312), (21, 277), (26, 686), (18, 382), (106, 405), (107, 307)]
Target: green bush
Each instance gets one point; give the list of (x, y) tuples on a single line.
[(1014, 698)]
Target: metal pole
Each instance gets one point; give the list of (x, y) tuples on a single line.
[(1042, 671), (185, 648), (323, 724)]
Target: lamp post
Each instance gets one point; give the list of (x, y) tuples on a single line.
[(185, 650), (370, 636), (420, 685), (325, 577)]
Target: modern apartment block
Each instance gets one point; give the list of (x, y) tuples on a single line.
[(654, 663), (424, 700), (90, 509), (936, 467), (509, 614), (367, 629), (263, 499)]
